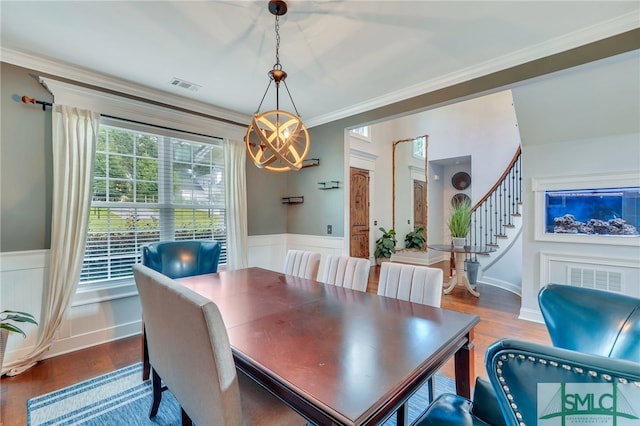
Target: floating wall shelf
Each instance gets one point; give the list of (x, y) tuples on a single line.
[(310, 162), (332, 184), (293, 200)]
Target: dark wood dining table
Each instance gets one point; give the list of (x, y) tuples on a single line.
[(337, 356)]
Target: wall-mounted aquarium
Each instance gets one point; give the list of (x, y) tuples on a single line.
[(601, 211), (588, 209)]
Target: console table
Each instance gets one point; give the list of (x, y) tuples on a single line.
[(460, 254)]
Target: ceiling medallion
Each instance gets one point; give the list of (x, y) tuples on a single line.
[(277, 140)]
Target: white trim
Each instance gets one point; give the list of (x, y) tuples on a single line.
[(576, 182), (585, 36), (23, 260), (531, 315), (107, 82), (547, 257), (118, 106)]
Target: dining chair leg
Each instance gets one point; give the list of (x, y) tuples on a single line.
[(146, 367), (186, 420), (157, 394)]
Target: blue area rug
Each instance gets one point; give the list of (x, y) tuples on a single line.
[(122, 398)]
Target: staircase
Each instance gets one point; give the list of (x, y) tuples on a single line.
[(496, 221)]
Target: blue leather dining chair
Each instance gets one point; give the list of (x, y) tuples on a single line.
[(528, 381), (592, 321), (178, 259)]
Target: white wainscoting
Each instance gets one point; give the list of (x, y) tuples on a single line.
[(611, 274), (108, 314), (270, 251), (22, 282)]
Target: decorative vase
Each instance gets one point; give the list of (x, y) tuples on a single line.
[(4, 336), (458, 242), (472, 267)]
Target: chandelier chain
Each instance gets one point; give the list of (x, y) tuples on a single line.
[(277, 66)]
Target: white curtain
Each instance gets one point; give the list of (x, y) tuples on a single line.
[(235, 159), (74, 139)]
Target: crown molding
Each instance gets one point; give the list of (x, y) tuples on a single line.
[(585, 36), (68, 72)]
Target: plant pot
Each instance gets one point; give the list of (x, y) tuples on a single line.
[(379, 260), (472, 267), (458, 242), (4, 336)]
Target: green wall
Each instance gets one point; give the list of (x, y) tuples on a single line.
[(25, 163)]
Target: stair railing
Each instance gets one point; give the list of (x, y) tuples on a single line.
[(495, 211)]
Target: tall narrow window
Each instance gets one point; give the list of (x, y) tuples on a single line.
[(151, 186)]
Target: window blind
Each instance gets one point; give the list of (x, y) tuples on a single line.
[(151, 185)]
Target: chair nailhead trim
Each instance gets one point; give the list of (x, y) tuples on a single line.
[(521, 357)]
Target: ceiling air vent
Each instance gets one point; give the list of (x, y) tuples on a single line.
[(184, 84)]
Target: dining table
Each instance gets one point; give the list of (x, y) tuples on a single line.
[(335, 355)]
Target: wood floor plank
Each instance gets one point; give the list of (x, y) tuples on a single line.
[(498, 311)]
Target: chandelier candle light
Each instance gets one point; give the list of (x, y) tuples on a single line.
[(277, 140)]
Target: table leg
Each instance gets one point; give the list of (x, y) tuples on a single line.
[(459, 277), (464, 367)]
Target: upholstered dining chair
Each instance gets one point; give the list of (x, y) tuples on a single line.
[(413, 283), (345, 271), (534, 382), (178, 259), (302, 263), (190, 352), (592, 321)]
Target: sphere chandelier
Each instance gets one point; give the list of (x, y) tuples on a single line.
[(277, 140)]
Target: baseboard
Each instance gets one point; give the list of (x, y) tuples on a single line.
[(97, 337), (531, 315)]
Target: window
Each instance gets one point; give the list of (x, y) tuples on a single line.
[(420, 147), (150, 185), (362, 132)]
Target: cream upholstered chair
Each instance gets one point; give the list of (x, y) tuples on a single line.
[(303, 264), (345, 271), (190, 351), (419, 284)]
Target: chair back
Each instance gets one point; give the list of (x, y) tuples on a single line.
[(536, 383), (303, 264), (179, 259), (592, 321), (420, 284), (189, 348), (345, 271)]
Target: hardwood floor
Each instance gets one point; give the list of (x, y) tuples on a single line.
[(498, 311)]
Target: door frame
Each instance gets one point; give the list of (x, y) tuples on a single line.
[(367, 161)]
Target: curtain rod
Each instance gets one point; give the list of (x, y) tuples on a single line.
[(45, 104)]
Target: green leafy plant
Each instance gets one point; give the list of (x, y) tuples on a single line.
[(460, 219), (7, 318), (386, 244), (415, 239)]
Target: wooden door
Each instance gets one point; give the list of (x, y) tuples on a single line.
[(359, 213), (419, 205)]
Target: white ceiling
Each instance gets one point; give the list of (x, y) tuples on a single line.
[(342, 57)]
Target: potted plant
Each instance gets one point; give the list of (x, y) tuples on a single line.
[(7, 320), (385, 245), (415, 239), (459, 222)]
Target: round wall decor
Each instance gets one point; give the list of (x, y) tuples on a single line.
[(461, 181), (460, 198)]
